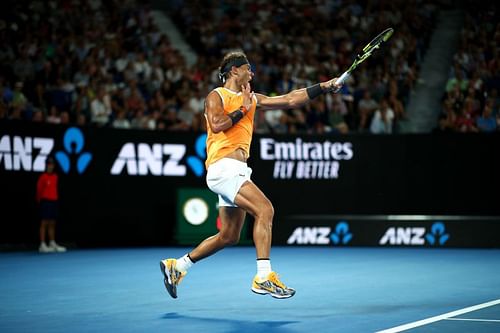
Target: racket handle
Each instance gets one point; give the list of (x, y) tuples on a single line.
[(343, 78)]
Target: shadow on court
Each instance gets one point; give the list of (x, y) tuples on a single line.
[(235, 326)]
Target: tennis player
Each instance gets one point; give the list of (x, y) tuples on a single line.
[(229, 112)]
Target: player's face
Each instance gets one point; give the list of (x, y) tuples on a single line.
[(246, 73)]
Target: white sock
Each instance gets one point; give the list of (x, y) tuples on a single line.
[(184, 263), (263, 268)]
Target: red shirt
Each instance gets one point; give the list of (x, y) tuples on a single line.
[(46, 187)]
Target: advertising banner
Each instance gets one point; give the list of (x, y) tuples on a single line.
[(390, 231), (117, 187), (122, 187)]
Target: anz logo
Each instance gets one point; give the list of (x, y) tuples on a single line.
[(24, 153), (341, 235), (73, 143), (142, 159), (30, 153), (438, 235), (416, 236)]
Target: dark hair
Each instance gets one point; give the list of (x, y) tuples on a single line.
[(234, 58)]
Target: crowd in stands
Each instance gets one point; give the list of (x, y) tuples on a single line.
[(94, 63), (471, 102), (106, 63), (295, 44)]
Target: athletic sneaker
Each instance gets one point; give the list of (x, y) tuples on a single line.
[(272, 286), (44, 248), (172, 277), (56, 247)]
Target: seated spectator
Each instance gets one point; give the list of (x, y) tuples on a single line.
[(382, 122), (19, 99), (100, 108), (120, 120), (64, 116), (38, 117), (336, 120), (486, 122), (464, 122), (366, 107), (53, 117)]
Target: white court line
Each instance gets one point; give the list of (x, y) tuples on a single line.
[(440, 317), (471, 319)]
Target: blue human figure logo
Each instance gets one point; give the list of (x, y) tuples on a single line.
[(73, 143), (438, 234), (342, 235), (196, 162)]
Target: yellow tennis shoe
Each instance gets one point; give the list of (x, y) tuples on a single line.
[(272, 286), (172, 277)]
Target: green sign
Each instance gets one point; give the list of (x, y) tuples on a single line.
[(198, 217), (197, 213)]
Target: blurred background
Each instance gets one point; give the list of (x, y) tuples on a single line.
[(406, 154)]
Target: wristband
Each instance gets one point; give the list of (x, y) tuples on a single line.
[(314, 91), (236, 116)]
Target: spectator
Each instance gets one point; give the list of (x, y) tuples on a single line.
[(366, 107), (121, 121), (336, 119), (19, 100), (100, 108), (464, 122), (64, 116), (53, 117), (486, 122), (382, 122), (38, 116)]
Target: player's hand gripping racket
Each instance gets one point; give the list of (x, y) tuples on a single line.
[(367, 51)]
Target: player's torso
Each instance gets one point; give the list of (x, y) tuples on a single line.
[(239, 135)]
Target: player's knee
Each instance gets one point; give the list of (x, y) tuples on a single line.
[(267, 211), (230, 240)]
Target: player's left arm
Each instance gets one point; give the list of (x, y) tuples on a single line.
[(296, 98)]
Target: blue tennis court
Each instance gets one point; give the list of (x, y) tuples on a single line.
[(338, 290)]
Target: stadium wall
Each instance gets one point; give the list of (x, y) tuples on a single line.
[(132, 187)]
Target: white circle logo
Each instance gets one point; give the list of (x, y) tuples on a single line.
[(195, 211)]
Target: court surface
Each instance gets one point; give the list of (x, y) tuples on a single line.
[(338, 290)]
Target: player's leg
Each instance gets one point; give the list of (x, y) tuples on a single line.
[(254, 201), (174, 270), (232, 220)]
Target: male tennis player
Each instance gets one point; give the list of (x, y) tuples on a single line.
[(229, 112)]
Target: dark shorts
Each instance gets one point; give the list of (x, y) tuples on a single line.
[(49, 210)]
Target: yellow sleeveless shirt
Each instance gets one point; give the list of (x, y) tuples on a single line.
[(238, 136)]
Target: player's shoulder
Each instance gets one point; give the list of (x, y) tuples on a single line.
[(215, 92), (214, 96)]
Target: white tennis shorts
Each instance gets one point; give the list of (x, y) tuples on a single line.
[(225, 178)]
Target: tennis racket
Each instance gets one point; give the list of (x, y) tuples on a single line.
[(367, 51)]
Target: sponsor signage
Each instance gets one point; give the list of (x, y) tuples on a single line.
[(112, 178), (423, 231), (304, 159), (26, 153)]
